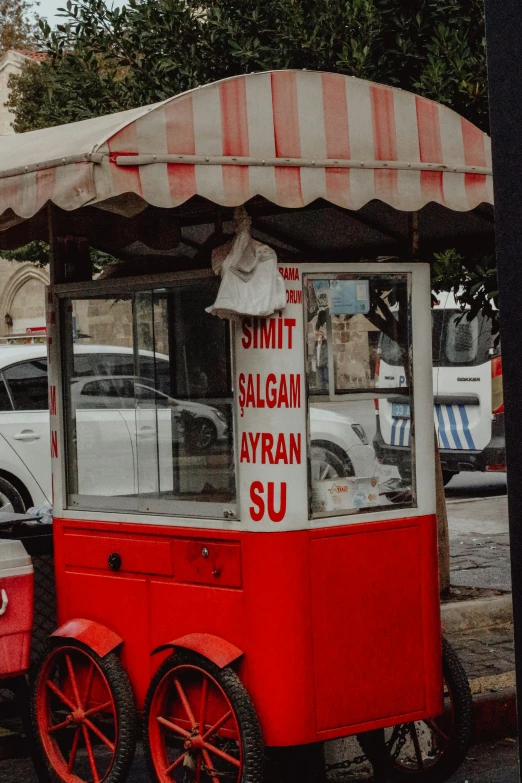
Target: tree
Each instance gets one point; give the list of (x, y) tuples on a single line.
[(104, 59), (18, 25)]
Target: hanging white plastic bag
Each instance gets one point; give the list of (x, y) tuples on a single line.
[(250, 281)]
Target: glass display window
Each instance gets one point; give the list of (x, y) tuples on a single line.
[(360, 386), (148, 393)]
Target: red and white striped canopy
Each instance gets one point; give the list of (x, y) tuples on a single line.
[(289, 136)]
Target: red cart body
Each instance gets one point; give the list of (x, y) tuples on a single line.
[(16, 608), (317, 664)]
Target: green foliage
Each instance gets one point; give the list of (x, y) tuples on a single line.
[(473, 281), (18, 25), (105, 59), (30, 94), (38, 253)]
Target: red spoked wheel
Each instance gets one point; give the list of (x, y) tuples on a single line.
[(200, 724), (84, 716)]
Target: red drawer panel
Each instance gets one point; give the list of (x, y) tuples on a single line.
[(207, 562), (138, 556)]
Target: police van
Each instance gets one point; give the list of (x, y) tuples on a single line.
[(468, 397)]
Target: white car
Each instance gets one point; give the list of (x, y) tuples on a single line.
[(339, 446), (200, 426), (107, 433)]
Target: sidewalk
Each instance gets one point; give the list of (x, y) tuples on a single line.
[(479, 550)]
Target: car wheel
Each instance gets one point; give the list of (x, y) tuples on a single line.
[(10, 499), (447, 475), (327, 465), (201, 436)]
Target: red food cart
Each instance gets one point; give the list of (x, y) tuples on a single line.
[(231, 559)]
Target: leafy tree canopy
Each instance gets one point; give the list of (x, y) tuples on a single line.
[(18, 24), (104, 59)]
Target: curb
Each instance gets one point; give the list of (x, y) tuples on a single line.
[(494, 716), (460, 616)]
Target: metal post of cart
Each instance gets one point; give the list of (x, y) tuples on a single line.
[(504, 39)]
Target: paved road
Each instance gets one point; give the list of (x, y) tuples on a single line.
[(495, 763), (468, 485)]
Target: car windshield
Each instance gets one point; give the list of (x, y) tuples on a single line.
[(456, 341)]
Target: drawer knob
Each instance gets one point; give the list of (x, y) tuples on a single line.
[(114, 561), (204, 552)]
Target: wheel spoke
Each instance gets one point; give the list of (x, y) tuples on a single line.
[(438, 731), (74, 750), (88, 686), (176, 764), (222, 755), (99, 708), (61, 696), (198, 770), (217, 725), (184, 701), (203, 705), (172, 726), (208, 762), (59, 726), (90, 754), (72, 677), (100, 734), (416, 745)]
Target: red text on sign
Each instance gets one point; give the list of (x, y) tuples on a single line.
[(52, 400), (259, 507), (273, 333), (267, 449), (273, 392), (294, 297), (289, 272), (54, 444)]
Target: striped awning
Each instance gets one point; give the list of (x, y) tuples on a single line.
[(289, 136)]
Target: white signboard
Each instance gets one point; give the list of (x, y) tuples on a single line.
[(271, 394)]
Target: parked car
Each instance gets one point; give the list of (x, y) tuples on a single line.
[(339, 446), (109, 424), (199, 425)]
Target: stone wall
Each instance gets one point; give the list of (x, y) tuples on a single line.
[(22, 296), (10, 62)]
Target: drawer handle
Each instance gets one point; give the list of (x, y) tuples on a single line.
[(114, 561), (5, 602)]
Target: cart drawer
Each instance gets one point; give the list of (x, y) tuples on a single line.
[(208, 562), (132, 555)]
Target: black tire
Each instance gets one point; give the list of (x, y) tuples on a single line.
[(9, 494), (252, 752), (125, 734), (450, 752), (327, 464), (201, 436), (447, 475)]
